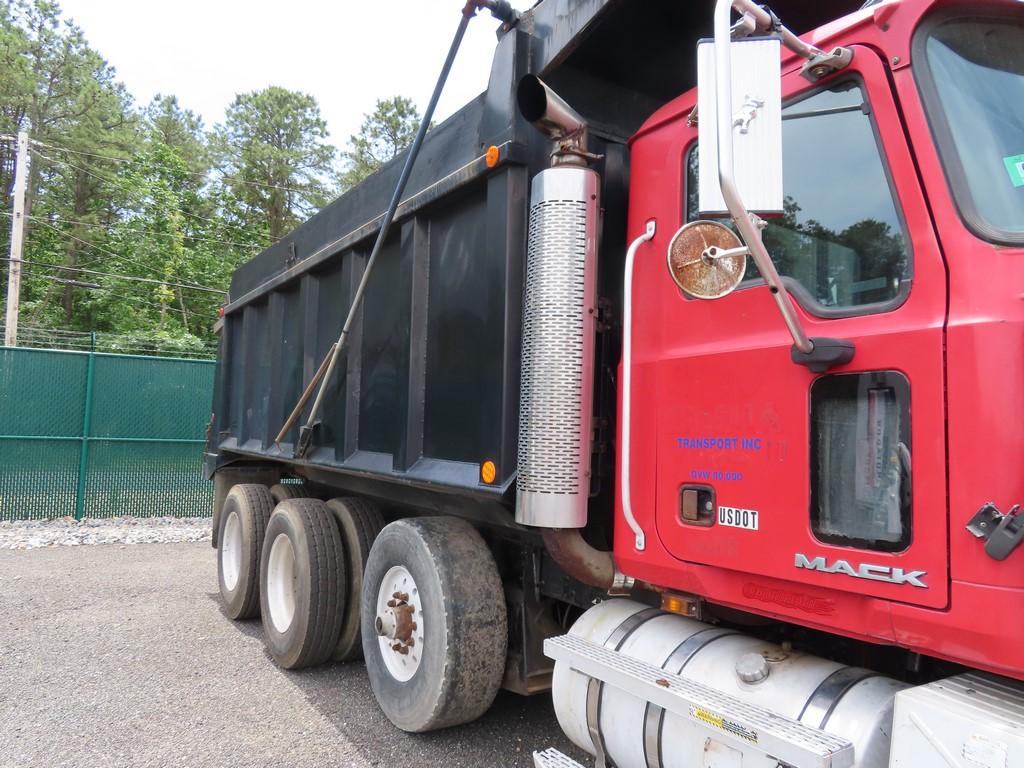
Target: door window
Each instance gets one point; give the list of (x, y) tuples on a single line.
[(860, 466), (841, 240)]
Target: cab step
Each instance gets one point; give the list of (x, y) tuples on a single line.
[(730, 720), (552, 758)]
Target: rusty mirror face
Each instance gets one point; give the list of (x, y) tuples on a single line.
[(706, 260)]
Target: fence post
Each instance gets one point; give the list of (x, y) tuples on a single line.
[(83, 458)]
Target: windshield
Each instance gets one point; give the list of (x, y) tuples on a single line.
[(974, 89)]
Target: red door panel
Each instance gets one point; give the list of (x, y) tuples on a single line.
[(733, 411)]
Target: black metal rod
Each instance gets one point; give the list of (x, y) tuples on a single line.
[(306, 432)]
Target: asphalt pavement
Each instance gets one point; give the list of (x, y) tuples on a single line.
[(119, 655)]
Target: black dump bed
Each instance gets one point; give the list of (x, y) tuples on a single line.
[(429, 387)]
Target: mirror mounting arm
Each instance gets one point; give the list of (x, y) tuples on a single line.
[(749, 225), (817, 354), (759, 19)]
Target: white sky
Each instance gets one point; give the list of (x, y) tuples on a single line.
[(346, 53)]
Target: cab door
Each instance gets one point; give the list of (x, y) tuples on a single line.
[(838, 478)]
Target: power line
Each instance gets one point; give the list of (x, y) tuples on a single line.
[(54, 331), (187, 173), (81, 152), (118, 256), (86, 334), (116, 183), (111, 342), (110, 227), (72, 337), (110, 292), (76, 283), (120, 277)]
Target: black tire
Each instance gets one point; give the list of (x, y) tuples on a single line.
[(249, 505), (359, 522), (316, 585), (285, 491), (465, 637)]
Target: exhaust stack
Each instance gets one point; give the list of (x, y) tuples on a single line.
[(553, 117), (556, 390)]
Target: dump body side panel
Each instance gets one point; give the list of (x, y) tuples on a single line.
[(429, 385)]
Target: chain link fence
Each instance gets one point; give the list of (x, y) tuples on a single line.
[(89, 434)]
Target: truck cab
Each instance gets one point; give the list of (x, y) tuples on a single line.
[(839, 499)]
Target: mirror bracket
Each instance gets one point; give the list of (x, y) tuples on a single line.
[(824, 355), (823, 64)]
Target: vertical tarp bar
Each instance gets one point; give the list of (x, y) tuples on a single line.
[(83, 456)]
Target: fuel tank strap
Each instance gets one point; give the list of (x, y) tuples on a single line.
[(595, 688), (828, 694), (654, 716)]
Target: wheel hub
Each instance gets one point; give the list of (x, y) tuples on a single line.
[(281, 589), (399, 623), (231, 552)]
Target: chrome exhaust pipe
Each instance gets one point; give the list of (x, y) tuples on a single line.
[(553, 117), (559, 311), (555, 411)]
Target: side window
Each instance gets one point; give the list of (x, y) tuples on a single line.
[(860, 470), (841, 238)]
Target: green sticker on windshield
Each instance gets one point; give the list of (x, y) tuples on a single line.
[(1015, 167)]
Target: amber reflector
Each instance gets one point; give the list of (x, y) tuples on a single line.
[(678, 604)]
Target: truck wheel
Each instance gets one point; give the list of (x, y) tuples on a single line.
[(243, 521), (284, 492), (434, 626), (302, 583), (227, 478), (359, 522)]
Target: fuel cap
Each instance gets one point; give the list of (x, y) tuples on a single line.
[(752, 668)]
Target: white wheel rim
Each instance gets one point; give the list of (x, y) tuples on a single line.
[(281, 583), (399, 588), (231, 552)]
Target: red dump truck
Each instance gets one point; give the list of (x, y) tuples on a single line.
[(695, 406)]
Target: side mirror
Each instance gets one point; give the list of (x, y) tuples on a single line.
[(739, 104), (755, 130)]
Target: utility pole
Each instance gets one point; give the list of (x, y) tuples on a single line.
[(17, 241)]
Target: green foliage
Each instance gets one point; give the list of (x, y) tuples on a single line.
[(142, 192), (147, 192), (271, 148), (385, 132)]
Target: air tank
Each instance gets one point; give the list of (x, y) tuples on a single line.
[(853, 703)]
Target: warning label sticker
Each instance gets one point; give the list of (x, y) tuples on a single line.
[(715, 720)]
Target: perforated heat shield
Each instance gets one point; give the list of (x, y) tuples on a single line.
[(556, 394)]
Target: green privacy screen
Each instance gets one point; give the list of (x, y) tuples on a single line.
[(100, 435)]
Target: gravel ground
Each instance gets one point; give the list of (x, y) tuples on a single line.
[(120, 656), (67, 532)]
